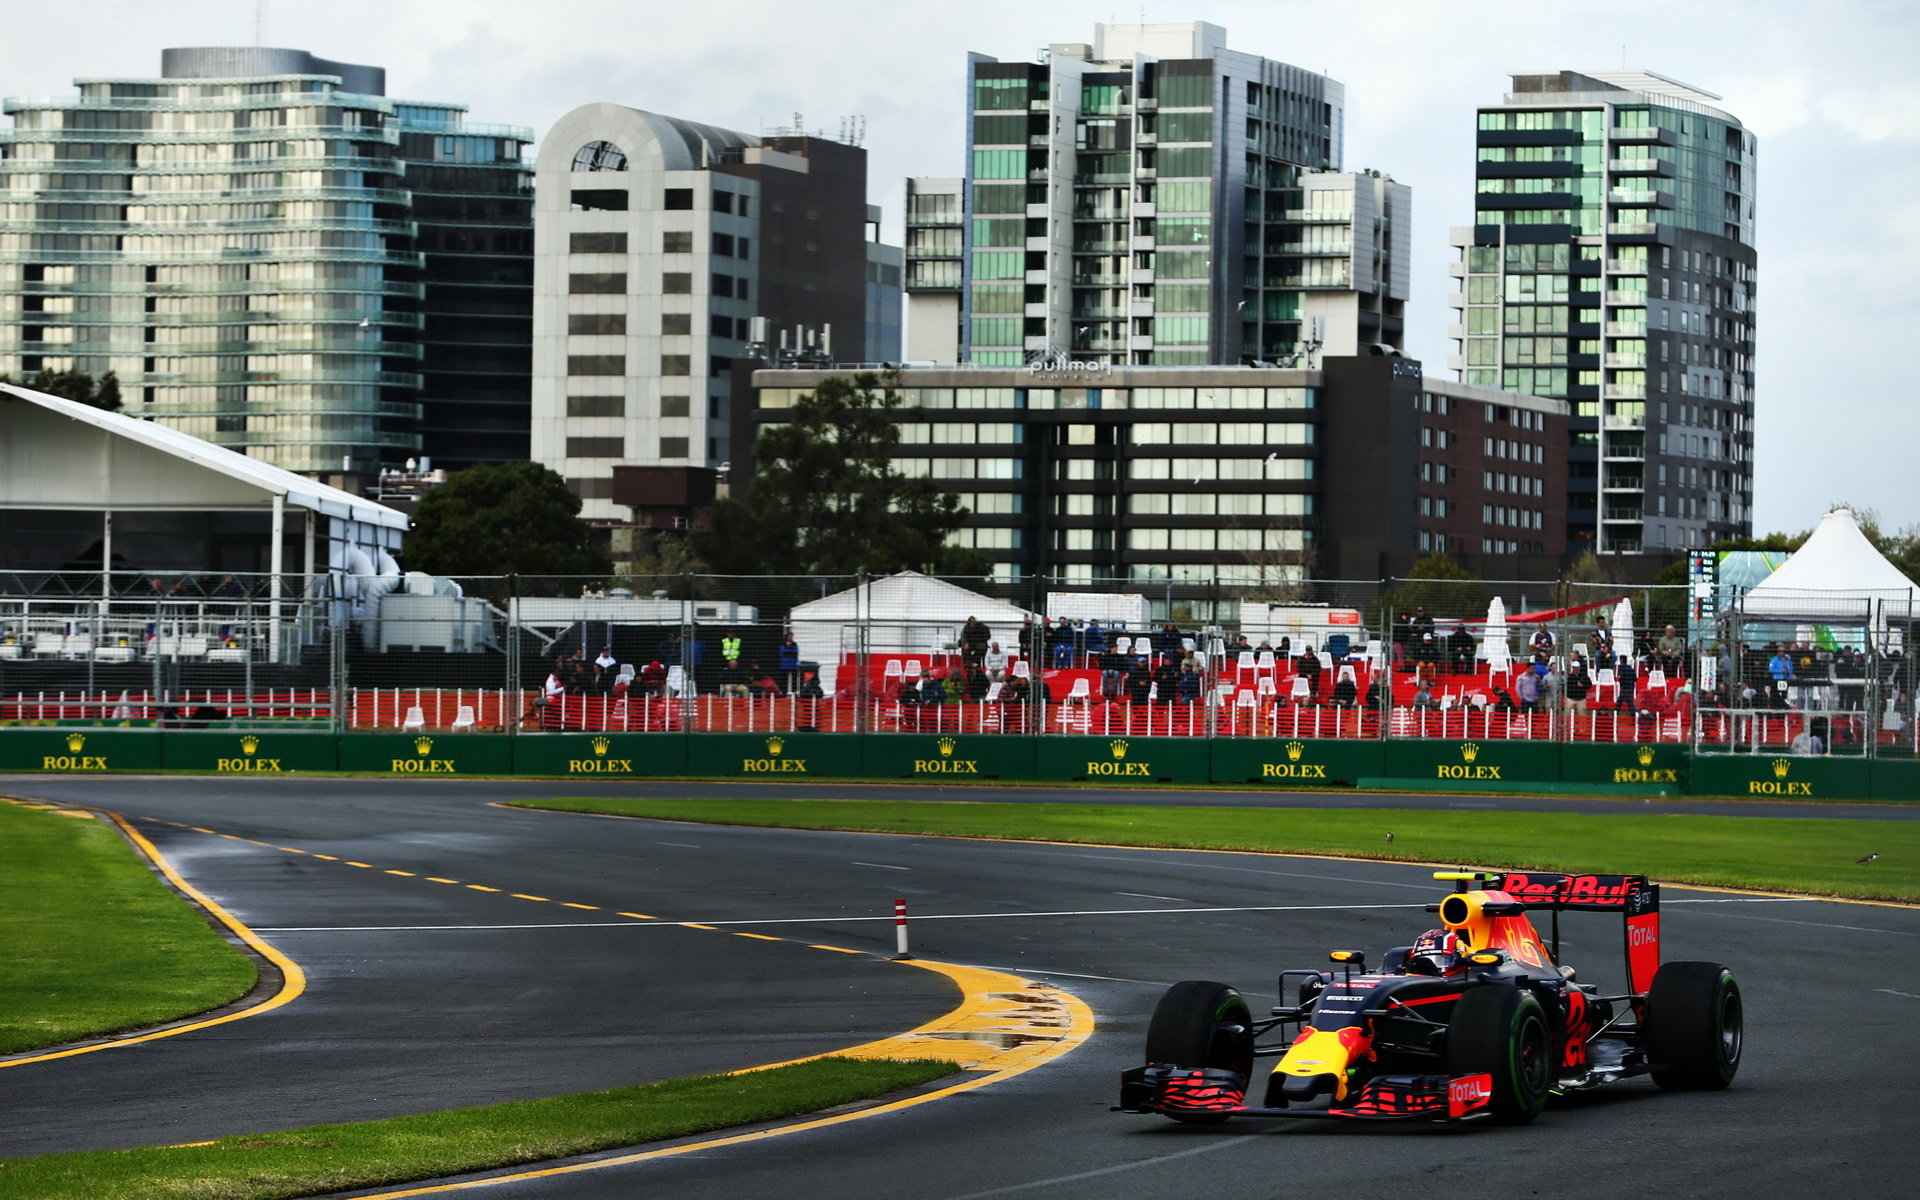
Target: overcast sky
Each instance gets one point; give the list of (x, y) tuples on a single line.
[(1830, 89)]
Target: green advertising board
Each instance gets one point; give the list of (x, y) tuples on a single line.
[(1297, 762), (1896, 779), (436, 754), (256, 752), (1123, 760), (1781, 777), (793, 757), (78, 751), (600, 755), (1659, 768), (943, 757), (1467, 764)]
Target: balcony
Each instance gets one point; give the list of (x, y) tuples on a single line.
[(1626, 266), (1640, 166), (1625, 328), (1631, 299), (1631, 229), (1624, 483), (1625, 360)]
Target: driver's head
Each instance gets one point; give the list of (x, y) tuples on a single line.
[(1436, 952)]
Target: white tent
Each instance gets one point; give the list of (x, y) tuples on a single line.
[(906, 613), (1493, 639), (1836, 578)]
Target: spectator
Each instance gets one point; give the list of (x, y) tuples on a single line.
[(1166, 680), (653, 680), (762, 682), (1578, 684), (1402, 634), (1626, 675), (1807, 742), (606, 661), (789, 660), (730, 649), (733, 680), (1113, 674), (1542, 640), (810, 687), (1552, 687), (973, 643), (1189, 684), (1026, 639), (1423, 696), (1422, 623), (976, 685), (1670, 651), (1096, 641), (1308, 666), (1602, 643), (1527, 687), (669, 651), (556, 685), (1460, 650), (933, 688), (1139, 681), (1060, 644), (1427, 650), (955, 685), (994, 661), (1780, 674), (1344, 690), (1374, 693), (1241, 646)]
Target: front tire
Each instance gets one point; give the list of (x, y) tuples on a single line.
[(1502, 1032), (1695, 1026), (1199, 1023)]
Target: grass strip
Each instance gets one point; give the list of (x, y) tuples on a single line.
[(92, 941), (1787, 854), (331, 1158)]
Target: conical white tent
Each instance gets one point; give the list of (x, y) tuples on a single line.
[(907, 613), (1836, 578), (1493, 639), (1623, 628)]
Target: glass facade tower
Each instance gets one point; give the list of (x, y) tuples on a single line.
[(1612, 265), (1154, 198), (239, 241)]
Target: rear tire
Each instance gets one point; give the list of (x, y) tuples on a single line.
[(1695, 1026), (1502, 1032), (1190, 1028)]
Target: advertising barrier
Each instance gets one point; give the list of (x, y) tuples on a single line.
[(78, 751), (1656, 768), (1781, 776), (956, 758), (1297, 762), (257, 753), (601, 755), (1123, 760), (440, 754), (793, 757), (1470, 766)]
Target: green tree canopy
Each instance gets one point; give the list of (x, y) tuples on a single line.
[(825, 498), (1440, 585), (502, 519), (76, 385)]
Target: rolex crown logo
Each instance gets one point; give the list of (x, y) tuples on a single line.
[(1780, 768), (75, 741), (1645, 755), (1294, 751), (946, 745), (1469, 750), (774, 744), (249, 744), (601, 745), (1119, 747), (423, 745)]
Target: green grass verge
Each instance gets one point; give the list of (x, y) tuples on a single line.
[(1805, 855), (92, 942), (331, 1158)]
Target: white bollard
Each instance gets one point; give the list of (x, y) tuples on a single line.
[(900, 929)]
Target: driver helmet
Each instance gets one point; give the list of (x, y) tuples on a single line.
[(1435, 952)]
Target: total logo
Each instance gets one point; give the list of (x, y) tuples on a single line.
[(774, 763), (600, 764), (1466, 768), (946, 763), (1119, 765), (1779, 785), (423, 765), (1293, 768), (248, 764), (75, 760), (1468, 1093)]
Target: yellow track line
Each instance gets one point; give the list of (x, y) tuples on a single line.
[(293, 981)]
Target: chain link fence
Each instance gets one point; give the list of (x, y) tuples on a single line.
[(1551, 661)]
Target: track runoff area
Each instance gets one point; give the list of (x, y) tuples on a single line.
[(395, 899)]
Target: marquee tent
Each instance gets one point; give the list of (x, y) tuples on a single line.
[(907, 613), (1836, 578)]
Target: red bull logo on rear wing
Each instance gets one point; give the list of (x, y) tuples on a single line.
[(1581, 893)]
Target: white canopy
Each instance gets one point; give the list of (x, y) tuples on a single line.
[(1837, 577), (905, 613), (1493, 639)]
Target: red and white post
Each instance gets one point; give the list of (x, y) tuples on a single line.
[(900, 929)]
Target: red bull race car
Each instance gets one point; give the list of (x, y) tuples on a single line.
[(1477, 1020)]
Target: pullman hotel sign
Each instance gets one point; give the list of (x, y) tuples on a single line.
[(1056, 365)]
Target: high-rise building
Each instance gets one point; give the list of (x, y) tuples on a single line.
[(664, 251), (1612, 265), (1154, 198), (239, 243)]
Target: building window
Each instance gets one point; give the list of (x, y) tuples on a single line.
[(596, 323), (676, 283), (596, 447), (596, 406), (723, 243), (676, 241), (678, 199), (596, 364), (675, 406), (673, 447), (599, 156), (676, 323), (719, 326), (676, 364), (723, 285), (597, 243), (601, 283)]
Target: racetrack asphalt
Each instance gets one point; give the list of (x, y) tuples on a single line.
[(427, 995)]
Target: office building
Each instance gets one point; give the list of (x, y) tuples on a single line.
[(1081, 472), (1154, 198), (1611, 264), (238, 242), (664, 251)]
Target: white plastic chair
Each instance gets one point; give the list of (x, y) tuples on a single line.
[(993, 693), (1123, 645), (1244, 662), (1656, 678), (1500, 663), (416, 719), (676, 681), (1301, 690), (464, 719), (1021, 670), (1264, 663), (1347, 672), (1082, 691), (890, 676), (913, 669)]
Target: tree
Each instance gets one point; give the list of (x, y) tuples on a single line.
[(503, 519), (1440, 585), (76, 385), (826, 500)]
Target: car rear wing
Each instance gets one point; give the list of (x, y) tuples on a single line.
[(1633, 896)]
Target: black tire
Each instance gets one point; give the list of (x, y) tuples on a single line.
[(1502, 1031), (1199, 1023), (1695, 1026)]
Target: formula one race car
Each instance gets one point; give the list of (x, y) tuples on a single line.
[(1473, 1021)]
